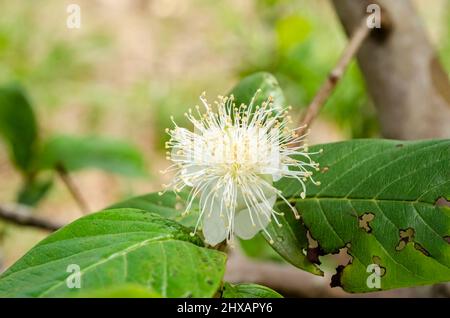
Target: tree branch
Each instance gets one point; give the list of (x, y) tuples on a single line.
[(73, 189), (22, 216), (355, 41), (402, 72)]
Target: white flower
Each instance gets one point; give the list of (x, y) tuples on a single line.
[(231, 160)]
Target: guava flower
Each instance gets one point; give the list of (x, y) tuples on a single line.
[(231, 160)]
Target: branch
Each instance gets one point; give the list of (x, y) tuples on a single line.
[(403, 75), (73, 189), (22, 216), (355, 41)]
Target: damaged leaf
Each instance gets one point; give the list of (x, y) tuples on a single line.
[(405, 231)]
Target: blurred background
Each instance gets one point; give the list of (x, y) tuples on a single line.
[(134, 63)]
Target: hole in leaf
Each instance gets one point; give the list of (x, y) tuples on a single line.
[(364, 221), (312, 254), (314, 250), (340, 261), (312, 243), (330, 261), (336, 278)]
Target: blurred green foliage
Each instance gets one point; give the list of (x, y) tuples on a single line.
[(18, 126), (76, 153), (305, 48), (32, 156)]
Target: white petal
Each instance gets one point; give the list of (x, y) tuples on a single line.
[(214, 229), (214, 225), (277, 176), (243, 226)]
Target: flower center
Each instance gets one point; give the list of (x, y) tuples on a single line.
[(235, 170)]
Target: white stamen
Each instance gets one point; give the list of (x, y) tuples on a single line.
[(231, 161)]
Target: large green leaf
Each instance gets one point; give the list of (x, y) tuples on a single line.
[(377, 199), (118, 246), (18, 125), (266, 82), (76, 153), (248, 291), (119, 291)]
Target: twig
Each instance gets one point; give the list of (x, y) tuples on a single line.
[(355, 41), (73, 189), (21, 216)]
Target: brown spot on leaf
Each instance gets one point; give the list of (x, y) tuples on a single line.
[(324, 169), (420, 248), (406, 236), (364, 221), (377, 260)]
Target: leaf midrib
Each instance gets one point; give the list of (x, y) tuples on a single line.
[(296, 200), (116, 254)]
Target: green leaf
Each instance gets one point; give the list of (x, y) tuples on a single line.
[(75, 153), (121, 291), (245, 90), (248, 291), (113, 247), (258, 248), (34, 190), (168, 205), (290, 240), (18, 126), (378, 199)]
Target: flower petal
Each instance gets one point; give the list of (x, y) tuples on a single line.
[(243, 226), (214, 229), (214, 222)]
